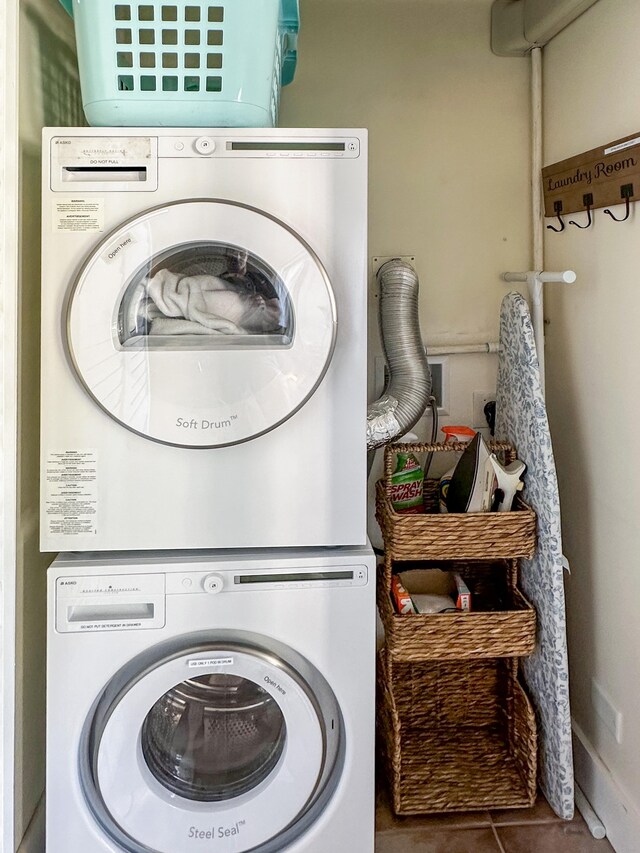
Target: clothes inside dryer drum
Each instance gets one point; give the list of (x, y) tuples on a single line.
[(208, 289), (213, 737), (207, 305)]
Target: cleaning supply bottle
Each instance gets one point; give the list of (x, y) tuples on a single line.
[(462, 434), (406, 484)]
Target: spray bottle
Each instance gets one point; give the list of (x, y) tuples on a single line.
[(407, 481)]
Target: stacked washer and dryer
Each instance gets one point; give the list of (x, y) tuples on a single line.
[(211, 618)]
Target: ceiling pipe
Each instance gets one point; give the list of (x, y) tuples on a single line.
[(517, 26)]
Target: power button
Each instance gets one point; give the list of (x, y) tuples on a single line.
[(204, 145), (212, 584)]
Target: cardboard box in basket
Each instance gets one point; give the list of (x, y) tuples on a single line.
[(425, 584)]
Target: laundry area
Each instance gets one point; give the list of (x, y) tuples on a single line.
[(318, 528)]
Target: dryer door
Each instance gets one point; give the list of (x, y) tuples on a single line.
[(237, 741), (201, 323)]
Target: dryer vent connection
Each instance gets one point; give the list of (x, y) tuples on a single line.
[(407, 394)]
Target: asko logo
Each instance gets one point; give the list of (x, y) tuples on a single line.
[(68, 583)]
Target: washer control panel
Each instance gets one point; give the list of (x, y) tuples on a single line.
[(110, 603), (244, 580), (118, 602)]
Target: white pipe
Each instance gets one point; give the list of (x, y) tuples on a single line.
[(463, 349), (536, 292), (534, 281), (565, 277), (596, 827)]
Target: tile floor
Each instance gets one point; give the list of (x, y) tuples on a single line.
[(535, 830)]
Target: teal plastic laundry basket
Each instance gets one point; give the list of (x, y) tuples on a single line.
[(184, 63)]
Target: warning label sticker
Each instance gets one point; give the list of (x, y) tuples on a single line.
[(78, 214), (71, 500)]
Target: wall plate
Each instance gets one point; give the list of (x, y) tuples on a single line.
[(606, 710), (439, 366), (379, 261)]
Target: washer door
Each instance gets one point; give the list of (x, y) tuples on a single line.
[(201, 323), (235, 743)]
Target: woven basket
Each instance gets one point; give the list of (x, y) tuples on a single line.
[(433, 535), (456, 736), (509, 630)]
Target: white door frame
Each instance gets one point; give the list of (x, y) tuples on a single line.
[(9, 219)]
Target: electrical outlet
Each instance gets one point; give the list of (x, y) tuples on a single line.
[(480, 400)]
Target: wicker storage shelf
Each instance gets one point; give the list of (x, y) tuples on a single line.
[(432, 535), (457, 736), (507, 631)]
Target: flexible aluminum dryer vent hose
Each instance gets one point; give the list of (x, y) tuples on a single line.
[(407, 394)]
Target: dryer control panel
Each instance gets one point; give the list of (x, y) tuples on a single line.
[(233, 145), (130, 163)]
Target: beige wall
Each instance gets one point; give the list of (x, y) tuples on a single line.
[(48, 95), (449, 147), (592, 86)]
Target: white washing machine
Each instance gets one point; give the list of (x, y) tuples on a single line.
[(203, 338), (211, 701)]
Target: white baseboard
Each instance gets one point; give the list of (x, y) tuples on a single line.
[(614, 808), (33, 841)]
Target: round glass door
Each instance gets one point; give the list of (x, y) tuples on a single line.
[(213, 737), (201, 323), (237, 736)]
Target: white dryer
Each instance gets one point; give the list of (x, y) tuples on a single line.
[(203, 338), (200, 702)]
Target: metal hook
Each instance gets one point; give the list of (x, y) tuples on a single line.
[(626, 191), (587, 200), (557, 206)]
